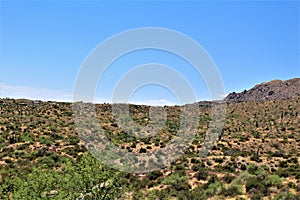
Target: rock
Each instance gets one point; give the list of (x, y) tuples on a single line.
[(273, 90), (270, 93)]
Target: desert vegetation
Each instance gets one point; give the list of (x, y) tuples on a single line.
[(256, 156)]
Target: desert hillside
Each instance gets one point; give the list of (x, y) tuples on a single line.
[(255, 157)]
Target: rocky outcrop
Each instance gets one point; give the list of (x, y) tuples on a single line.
[(272, 90)]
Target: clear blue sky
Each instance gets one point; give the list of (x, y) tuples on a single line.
[(43, 43)]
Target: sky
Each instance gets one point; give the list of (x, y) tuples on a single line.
[(43, 45)]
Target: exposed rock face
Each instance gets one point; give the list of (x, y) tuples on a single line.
[(272, 90)]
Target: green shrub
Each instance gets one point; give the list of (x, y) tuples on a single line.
[(273, 180), (177, 181), (197, 167), (232, 190), (282, 173), (45, 183), (251, 168), (254, 185), (256, 196), (214, 189), (286, 196), (181, 185), (202, 174), (228, 178)]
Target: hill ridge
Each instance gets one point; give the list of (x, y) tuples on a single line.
[(272, 90)]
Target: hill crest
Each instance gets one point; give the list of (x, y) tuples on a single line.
[(272, 90)]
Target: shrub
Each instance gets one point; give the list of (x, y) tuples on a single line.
[(229, 167), (219, 160), (286, 196), (254, 184), (228, 178), (172, 178), (256, 196), (142, 150), (133, 145), (243, 167), (282, 173), (214, 188), (177, 181), (181, 185), (213, 179), (154, 175), (202, 174), (197, 167), (232, 190), (273, 180), (255, 158), (252, 168), (283, 164)]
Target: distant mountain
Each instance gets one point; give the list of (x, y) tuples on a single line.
[(273, 90)]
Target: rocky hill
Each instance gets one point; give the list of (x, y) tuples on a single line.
[(273, 90)]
